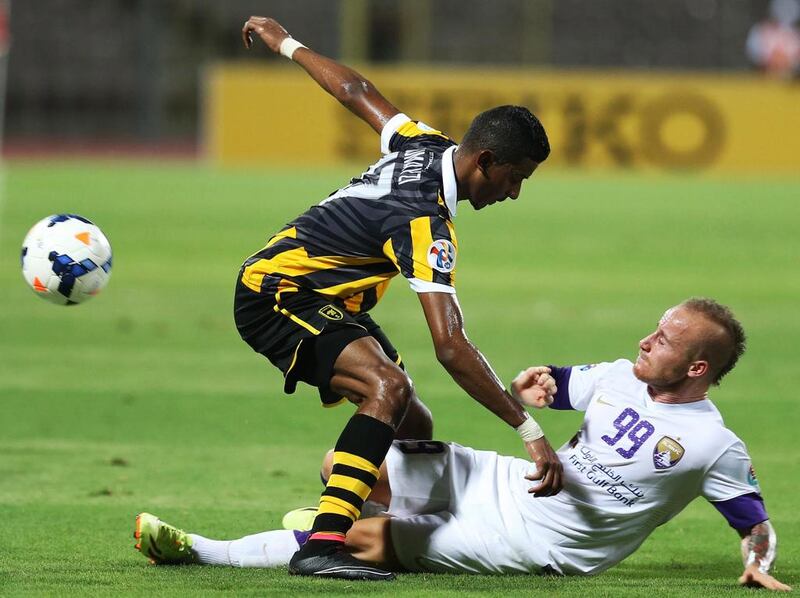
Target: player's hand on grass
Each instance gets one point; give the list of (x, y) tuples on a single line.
[(549, 471), (269, 30), (534, 387), (753, 578)]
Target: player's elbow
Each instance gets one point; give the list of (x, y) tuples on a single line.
[(448, 351), (352, 90), (446, 356)]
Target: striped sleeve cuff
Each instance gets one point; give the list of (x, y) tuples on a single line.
[(389, 128)]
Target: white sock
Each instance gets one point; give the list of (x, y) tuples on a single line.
[(210, 552), (266, 550)]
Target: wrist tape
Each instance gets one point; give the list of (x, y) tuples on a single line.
[(529, 430), (289, 46)]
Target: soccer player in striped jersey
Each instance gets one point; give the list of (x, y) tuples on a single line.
[(302, 300)]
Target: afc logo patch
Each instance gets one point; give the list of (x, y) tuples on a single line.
[(332, 313), (442, 256), (667, 453)]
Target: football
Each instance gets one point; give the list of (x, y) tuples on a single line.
[(66, 259)]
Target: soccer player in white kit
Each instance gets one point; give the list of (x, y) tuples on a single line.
[(651, 442)]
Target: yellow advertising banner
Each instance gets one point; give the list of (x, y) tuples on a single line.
[(721, 123)]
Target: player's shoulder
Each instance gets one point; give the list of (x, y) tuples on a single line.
[(617, 376), (712, 433), (621, 368), (710, 411), (606, 378), (401, 133)]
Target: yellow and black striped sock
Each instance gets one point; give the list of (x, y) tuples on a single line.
[(359, 452)]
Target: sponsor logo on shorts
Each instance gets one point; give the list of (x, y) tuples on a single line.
[(442, 256), (667, 453), (587, 367), (332, 313)]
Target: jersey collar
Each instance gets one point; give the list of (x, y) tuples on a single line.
[(700, 406), (449, 180)]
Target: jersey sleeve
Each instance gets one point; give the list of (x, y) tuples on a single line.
[(576, 385), (731, 486), (424, 251), (731, 475), (401, 134)]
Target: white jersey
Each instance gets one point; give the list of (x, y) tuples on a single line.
[(633, 465)]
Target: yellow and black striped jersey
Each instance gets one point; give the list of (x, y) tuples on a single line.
[(395, 217)]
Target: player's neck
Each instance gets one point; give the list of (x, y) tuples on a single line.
[(677, 396), (462, 169)]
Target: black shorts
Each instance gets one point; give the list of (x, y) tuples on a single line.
[(303, 335)]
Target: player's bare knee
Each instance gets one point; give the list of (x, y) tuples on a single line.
[(395, 389), (388, 394)]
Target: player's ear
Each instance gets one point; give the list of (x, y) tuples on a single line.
[(484, 160), (698, 369)]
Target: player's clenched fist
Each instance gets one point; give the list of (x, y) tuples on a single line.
[(534, 387), (269, 30)]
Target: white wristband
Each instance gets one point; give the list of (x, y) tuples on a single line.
[(289, 46), (529, 430)]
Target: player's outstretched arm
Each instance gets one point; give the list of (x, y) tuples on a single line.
[(346, 85), (469, 368), (759, 545)]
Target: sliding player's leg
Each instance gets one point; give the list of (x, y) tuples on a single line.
[(440, 519), (422, 480), (163, 544)]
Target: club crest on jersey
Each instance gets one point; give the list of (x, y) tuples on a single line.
[(332, 313), (667, 453), (442, 256)]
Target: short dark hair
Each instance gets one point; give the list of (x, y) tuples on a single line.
[(729, 349), (511, 132)]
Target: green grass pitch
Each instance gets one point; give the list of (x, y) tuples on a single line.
[(146, 399)]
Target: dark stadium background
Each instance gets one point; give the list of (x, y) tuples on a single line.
[(127, 70)]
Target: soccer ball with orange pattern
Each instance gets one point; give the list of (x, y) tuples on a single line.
[(66, 259)]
